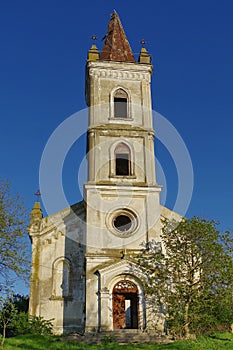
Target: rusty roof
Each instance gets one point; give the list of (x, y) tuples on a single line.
[(116, 46)]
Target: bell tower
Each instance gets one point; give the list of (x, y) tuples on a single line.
[(121, 195)]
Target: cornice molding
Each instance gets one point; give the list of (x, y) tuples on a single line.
[(119, 74)]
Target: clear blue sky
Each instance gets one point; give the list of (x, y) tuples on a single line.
[(42, 79)]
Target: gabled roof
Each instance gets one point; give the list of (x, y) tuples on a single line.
[(116, 46)]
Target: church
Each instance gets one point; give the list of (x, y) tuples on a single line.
[(82, 275)]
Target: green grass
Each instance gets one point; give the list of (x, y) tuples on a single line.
[(217, 341)]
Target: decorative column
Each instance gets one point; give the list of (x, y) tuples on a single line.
[(104, 309)]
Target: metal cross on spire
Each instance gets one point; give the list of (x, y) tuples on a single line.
[(94, 38), (143, 42), (37, 194)]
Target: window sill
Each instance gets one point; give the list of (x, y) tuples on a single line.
[(56, 297), (120, 118), (120, 177)]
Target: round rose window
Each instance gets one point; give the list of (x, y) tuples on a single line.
[(122, 223)]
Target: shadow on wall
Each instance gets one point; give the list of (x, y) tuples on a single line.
[(73, 280)]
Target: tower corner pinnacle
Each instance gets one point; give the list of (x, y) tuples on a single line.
[(144, 56), (36, 216), (93, 54)]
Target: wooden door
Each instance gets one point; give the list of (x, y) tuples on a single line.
[(119, 320), (122, 291)]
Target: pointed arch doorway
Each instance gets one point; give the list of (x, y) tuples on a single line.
[(125, 305)]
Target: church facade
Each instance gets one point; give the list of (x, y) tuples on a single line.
[(82, 275)]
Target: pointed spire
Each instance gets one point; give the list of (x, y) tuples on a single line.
[(116, 46)]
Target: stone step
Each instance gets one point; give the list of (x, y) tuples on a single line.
[(119, 336)]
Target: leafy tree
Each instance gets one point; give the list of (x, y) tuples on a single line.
[(21, 302), (190, 275), (14, 319), (14, 315), (13, 243), (7, 314)]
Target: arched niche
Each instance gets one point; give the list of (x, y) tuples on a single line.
[(61, 277)]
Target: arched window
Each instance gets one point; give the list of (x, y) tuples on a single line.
[(122, 160), (120, 104), (61, 278)]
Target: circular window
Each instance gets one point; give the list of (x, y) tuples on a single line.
[(122, 223)]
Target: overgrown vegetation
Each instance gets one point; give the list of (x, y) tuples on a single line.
[(14, 319), (190, 277), (216, 342)]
